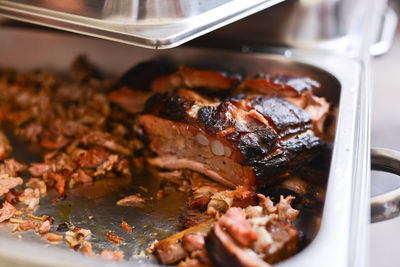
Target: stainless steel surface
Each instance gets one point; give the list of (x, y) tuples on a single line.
[(145, 23), (335, 26), (157, 220), (385, 206), (345, 206), (388, 32)]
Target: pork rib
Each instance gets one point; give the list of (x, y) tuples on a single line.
[(242, 140)]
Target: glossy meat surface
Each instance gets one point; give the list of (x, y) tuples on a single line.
[(246, 141)]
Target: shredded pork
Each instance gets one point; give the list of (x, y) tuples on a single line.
[(89, 128)]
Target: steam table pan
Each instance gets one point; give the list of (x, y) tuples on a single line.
[(341, 239)]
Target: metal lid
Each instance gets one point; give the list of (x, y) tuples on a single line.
[(145, 23)]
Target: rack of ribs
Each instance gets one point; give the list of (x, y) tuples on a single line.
[(240, 139)]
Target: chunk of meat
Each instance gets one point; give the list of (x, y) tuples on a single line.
[(257, 236), (285, 210), (284, 244), (87, 249), (26, 226), (194, 78), (38, 169), (51, 237), (37, 183), (44, 227), (7, 182), (105, 140), (49, 141), (108, 254), (107, 165), (202, 190), (253, 237), (193, 242), (225, 140), (11, 167), (194, 217), (297, 90), (141, 76), (80, 177), (130, 100), (170, 250), (93, 157), (5, 147), (279, 85), (7, 211), (235, 223), (83, 234), (115, 239), (71, 240), (194, 245), (223, 251), (126, 227), (30, 197), (132, 201)]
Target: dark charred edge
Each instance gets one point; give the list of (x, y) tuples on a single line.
[(260, 146), (168, 107), (308, 221), (299, 146), (306, 193), (300, 84), (82, 69), (142, 75), (222, 254), (234, 79), (286, 117), (290, 247), (218, 255), (322, 163), (234, 98), (215, 119)]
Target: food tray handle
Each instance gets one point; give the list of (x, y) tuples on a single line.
[(385, 206), (388, 32)]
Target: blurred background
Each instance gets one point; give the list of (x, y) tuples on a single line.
[(385, 236)]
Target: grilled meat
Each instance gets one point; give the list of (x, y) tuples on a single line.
[(72, 119), (5, 147), (8, 182), (297, 90), (265, 235), (256, 236), (242, 134), (244, 140)]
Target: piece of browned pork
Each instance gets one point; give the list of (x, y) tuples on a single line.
[(239, 140), (258, 235)]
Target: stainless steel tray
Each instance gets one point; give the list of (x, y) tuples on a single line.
[(145, 23), (341, 240)]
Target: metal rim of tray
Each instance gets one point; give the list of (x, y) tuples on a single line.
[(167, 34)]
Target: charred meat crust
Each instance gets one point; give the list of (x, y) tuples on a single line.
[(279, 85), (141, 76), (162, 77), (269, 134), (189, 77)]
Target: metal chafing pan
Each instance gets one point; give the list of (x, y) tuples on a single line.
[(146, 23), (342, 236)]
